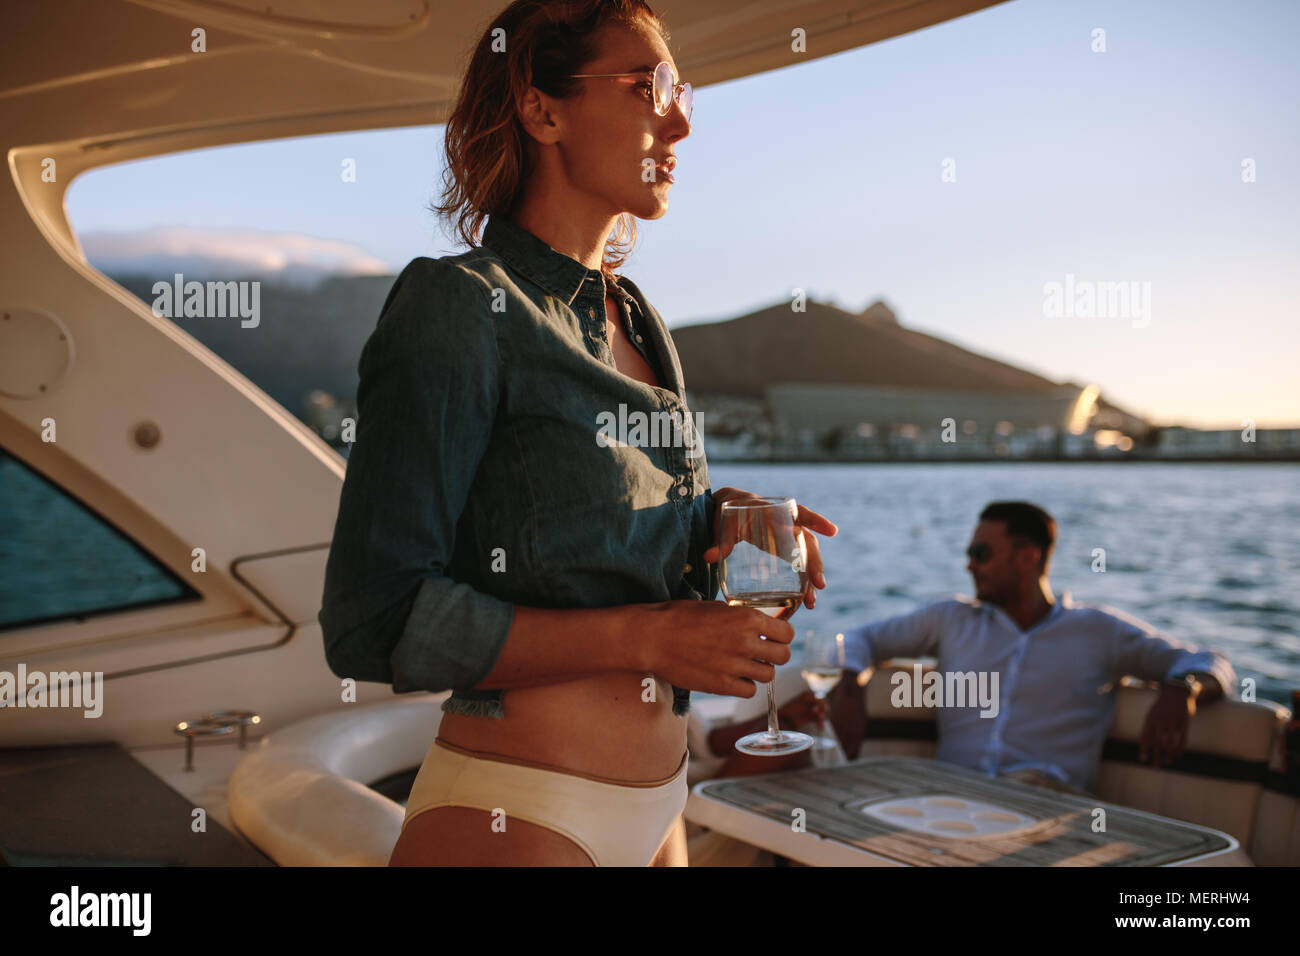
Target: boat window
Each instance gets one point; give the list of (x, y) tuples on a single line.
[(276, 255), (60, 560)]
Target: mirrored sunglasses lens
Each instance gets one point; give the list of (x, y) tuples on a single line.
[(688, 101)]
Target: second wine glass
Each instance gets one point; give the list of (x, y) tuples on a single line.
[(823, 665)]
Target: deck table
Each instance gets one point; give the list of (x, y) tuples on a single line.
[(915, 811)]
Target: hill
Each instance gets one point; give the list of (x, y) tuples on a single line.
[(828, 345)]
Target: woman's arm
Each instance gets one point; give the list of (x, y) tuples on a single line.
[(430, 386), (550, 646)]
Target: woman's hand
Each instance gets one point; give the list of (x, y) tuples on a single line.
[(806, 520), (708, 646)]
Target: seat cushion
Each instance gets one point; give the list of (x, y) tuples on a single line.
[(303, 796)]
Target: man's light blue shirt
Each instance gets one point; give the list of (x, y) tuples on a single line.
[(1055, 701)]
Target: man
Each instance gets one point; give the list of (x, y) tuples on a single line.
[(1053, 664)]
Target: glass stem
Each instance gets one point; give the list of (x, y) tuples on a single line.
[(772, 729)]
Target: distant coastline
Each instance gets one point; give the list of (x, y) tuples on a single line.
[(818, 386)]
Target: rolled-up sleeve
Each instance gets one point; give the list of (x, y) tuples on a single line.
[(429, 387), (703, 576), (1142, 651), (915, 634)]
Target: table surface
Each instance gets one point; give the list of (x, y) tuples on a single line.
[(924, 812)]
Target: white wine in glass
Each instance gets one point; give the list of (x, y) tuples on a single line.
[(764, 566), (821, 681)]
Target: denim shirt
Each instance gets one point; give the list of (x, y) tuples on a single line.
[(486, 471)]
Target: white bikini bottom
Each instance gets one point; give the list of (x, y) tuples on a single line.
[(615, 823)]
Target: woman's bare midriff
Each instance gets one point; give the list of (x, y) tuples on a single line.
[(597, 725)]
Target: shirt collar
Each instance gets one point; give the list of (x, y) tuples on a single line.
[(553, 271), (1064, 602)]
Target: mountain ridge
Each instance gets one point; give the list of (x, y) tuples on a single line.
[(826, 344)]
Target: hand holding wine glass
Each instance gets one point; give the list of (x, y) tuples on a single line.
[(810, 522)]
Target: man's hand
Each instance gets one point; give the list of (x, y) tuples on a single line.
[(804, 709), (849, 712), (1164, 735)]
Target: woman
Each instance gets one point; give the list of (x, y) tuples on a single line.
[(491, 538)]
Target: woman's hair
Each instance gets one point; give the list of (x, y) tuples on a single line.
[(530, 43)]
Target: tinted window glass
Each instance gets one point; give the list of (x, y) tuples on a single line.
[(58, 559)]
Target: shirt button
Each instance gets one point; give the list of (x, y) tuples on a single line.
[(638, 339), (683, 490), (687, 568)]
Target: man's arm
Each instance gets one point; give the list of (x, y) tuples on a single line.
[(907, 635), (1142, 651), (915, 634)]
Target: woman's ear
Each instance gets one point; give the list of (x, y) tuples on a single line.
[(535, 115)]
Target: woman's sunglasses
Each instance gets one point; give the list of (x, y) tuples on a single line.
[(665, 91)]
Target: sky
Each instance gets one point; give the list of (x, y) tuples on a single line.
[(955, 172)]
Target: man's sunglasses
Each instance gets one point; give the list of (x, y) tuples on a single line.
[(666, 92), (979, 553)]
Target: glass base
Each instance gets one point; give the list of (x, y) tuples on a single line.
[(763, 744)]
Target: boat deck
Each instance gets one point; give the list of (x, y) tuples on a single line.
[(96, 805)]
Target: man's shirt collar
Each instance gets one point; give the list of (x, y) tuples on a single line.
[(555, 272), (1064, 602)]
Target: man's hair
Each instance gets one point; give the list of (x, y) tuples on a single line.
[(1025, 521)]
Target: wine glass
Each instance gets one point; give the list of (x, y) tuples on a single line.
[(823, 665), (765, 566)]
